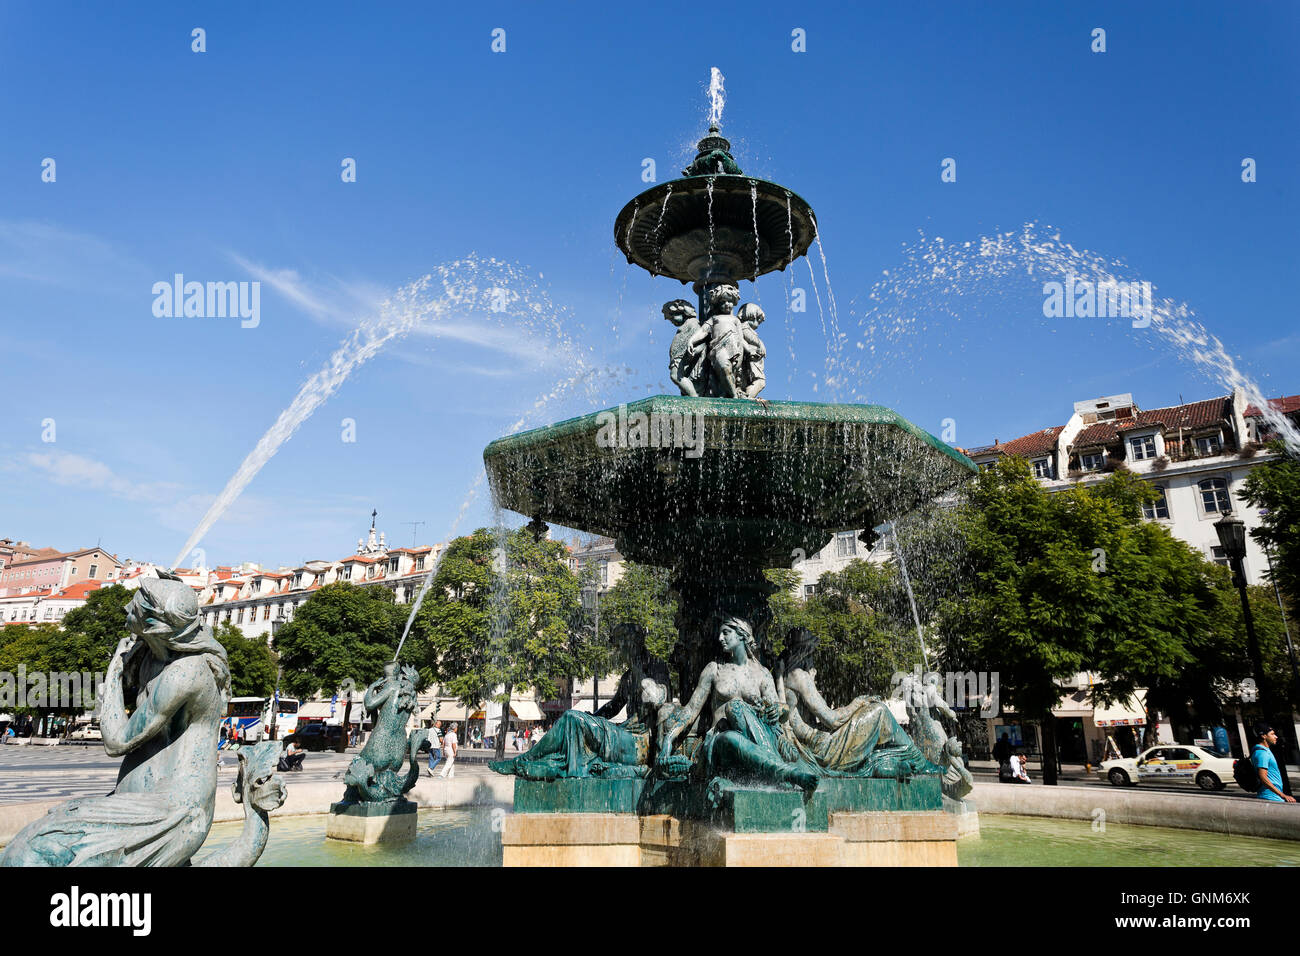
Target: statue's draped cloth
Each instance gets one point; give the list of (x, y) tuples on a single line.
[(869, 744), (576, 742)]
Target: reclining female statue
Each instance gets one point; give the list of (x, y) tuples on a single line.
[(584, 745), (164, 698), (745, 742), (861, 739)]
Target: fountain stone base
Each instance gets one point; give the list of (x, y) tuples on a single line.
[(388, 821)]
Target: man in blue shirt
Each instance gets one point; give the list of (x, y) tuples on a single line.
[(1270, 778)]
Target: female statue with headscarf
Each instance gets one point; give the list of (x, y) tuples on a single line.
[(165, 695), (745, 740)]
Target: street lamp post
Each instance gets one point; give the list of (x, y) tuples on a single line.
[(276, 623), (1232, 537)]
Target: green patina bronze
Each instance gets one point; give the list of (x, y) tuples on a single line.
[(165, 696), (717, 486), (375, 776)]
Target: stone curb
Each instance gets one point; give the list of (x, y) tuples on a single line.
[(1244, 816)]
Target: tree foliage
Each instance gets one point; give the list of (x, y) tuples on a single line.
[(252, 665), (1274, 488), (504, 613), (342, 631)]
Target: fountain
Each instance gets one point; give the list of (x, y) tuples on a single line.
[(718, 485)]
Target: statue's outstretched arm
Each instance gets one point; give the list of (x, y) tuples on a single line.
[(172, 689), (801, 682), (377, 694), (686, 716)]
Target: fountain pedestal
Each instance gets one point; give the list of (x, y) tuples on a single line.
[(389, 821)]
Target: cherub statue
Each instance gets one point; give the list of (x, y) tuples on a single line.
[(723, 337), (921, 697), (686, 368), (752, 380)]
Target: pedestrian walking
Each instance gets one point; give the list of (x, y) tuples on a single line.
[(1270, 776), (435, 745), (450, 745)]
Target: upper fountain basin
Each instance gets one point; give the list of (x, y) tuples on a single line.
[(677, 229), (721, 479)]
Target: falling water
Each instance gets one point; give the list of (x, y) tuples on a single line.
[(709, 189), (468, 285), (753, 199), (830, 293), (937, 275), (659, 225), (717, 97)]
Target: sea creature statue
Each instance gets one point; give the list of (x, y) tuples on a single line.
[(861, 739), (591, 745), (686, 368), (165, 695), (922, 698), (375, 775), (745, 742), (260, 790)]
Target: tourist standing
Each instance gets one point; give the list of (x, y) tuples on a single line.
[(435, 745), (450, 745), (1270, 776)]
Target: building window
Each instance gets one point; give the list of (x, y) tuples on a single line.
[(1092, 461), (809, 590), (1219, 556), (297, 581), (239, 616), (1214, 496), (370, 572), (1144, 447), (604, 572), (1158, 508), (1208, 445), (392, 566), (419, 563), (266, 612), (94, 570), (846, 544), (986, 465), (1042, 468)]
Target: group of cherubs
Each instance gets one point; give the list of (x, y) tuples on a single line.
[(721, 356)]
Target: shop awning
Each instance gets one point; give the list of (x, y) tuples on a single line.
[(525, 710), (316, 709), (445, 709), (1129, 713), (1074, 704)]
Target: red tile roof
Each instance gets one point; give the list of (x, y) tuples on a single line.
[(80, 590), (1038, 443), (1286, 405), (1193, 415)]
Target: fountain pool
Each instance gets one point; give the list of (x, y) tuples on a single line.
[(467, 838)]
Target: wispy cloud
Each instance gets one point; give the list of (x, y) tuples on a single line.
[(71, 470)]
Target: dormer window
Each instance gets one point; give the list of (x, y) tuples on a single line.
[(1143, 447), (1092, 460), (1042, 468), (1208, 445)]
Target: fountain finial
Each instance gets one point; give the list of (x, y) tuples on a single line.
[(713, 156)]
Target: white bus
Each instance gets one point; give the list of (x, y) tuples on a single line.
[(248, 719)]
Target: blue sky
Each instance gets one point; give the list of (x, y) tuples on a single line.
[(225, 166)]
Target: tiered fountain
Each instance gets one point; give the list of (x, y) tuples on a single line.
[(717, 485)]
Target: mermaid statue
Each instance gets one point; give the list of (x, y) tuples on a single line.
[(165, 696), (861, 739), (375, 775)]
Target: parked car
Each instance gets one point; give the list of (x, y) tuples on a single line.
[(1208, 768), (317, 737), (88, 730)]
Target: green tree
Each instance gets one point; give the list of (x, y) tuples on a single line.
[(1075, 581), (95, 628), (642, 597), (1274, 488), (342, 631), (252, 665), (493, 621), (864, 629)]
